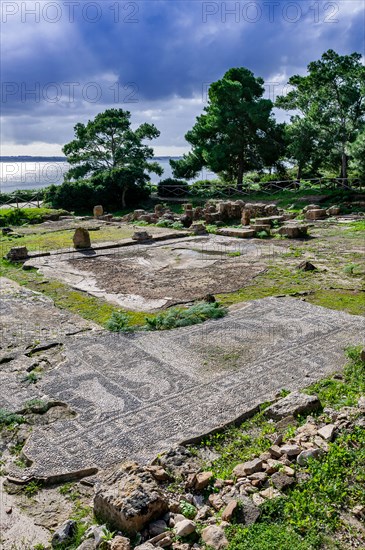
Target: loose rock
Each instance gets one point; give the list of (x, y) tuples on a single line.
[(304, 455), (280, 481), (230, 510), (203, 480), (120, 543), (184, 528), (293, 404), (64, 533), (128, 498), (327, 432), (247, 468), (214, 537)]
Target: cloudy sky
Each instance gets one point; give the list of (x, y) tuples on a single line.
[(64, 61)]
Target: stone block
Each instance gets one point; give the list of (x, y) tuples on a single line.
[(316, 214), (293, 404), (128, 498), (238, 233), (17, 253), (98, 211), (81, 238), (293, 231)]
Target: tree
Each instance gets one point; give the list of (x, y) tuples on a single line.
[(303, 145), (230, 136), (111, 154), (331, 100), (357, 151)]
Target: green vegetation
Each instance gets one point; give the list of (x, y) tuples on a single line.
[(32, 488), (31, 378), (64, 297), (311, 513), (172, 188), (112, 155), (353, 227), (265, 537), (22, 216), (279, 281), (238, 444), (9, 419), (169, 319), (335, 392), (330, 101), (351, 301), (188, 510), (179, 317), (119, 322), (39, 406), (236, 132)]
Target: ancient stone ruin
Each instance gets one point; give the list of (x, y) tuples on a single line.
[(255, 217), (98, 211), (18, 253), (81, 238)]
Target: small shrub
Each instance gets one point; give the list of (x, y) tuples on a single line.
[(211, 229), (118, 322), (178, 317), (8, 418), (352, 269), (32, 488), (188, 510), (31, 378)]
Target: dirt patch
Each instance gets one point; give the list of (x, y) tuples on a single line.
[(169, 275), (154, 276)]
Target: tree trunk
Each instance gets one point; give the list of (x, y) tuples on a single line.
[(124, 192), (299, 172), (344, 169), (240, 174)]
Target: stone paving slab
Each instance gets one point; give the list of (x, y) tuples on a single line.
[(138, 394)]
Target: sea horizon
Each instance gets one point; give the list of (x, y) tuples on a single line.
[(37, 172)]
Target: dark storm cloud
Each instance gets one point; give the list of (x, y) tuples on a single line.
[(73, 58)]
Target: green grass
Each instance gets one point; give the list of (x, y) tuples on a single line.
[(354, 227), (32, 488), (336, 393), (238, 444), (278, 280), (350, 301), (46, 241), (265, 537)]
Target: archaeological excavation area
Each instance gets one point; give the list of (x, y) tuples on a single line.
[(93, 398)]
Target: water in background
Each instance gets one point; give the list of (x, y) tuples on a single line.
[(36, 175)]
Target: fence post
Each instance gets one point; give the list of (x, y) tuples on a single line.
[(17, 202), (37, 195)]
